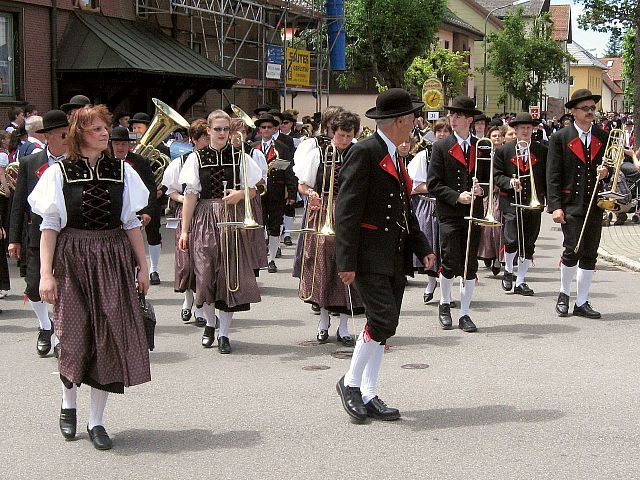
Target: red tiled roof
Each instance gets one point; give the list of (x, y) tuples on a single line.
[(561, 18), (613, 86), (615, 70)]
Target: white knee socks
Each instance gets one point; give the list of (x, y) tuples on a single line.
[(584, 284), (343, 329), (154, 257), (523, 268), (98, 404), (199, 312), (445, 289), (288, 225), (225, 323), (42, 312), (69, 396), (466, 293), (362, 355), (509, 258), (325, 321), (209, 312), (566, 277), (431, 284), (188, 300), (274, 242), (370, 374)]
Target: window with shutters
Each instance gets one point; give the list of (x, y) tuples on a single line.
[(7, 57)]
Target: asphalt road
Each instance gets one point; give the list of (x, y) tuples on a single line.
[(530, 395)]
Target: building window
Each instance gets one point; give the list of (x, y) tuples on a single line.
[(7, 56), (88, 4), (571, 81), (446, 44)]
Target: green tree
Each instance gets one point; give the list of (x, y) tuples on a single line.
[(451, 68), (628, 60), (616, 16), (384, 36), (614, 46), (524, 56)]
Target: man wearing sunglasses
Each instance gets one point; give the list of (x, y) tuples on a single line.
[(24, 230), (574, 170)]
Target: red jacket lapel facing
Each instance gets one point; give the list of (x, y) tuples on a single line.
[(577, 147), (41, 170), (388, 166)]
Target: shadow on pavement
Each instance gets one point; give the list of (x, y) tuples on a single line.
[(139, 441), (531, 330), (166, 358), (436, 419)]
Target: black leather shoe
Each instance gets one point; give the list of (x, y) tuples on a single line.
[(427, 297), (315, 309), (322, 336), (278, 253), (507, 281), (466, 325), (586, 311), (523, 289), (223, 345), (444, 316), (347, 340), (68, 422), (208, 337), (272, 267), (287, 241), (495, 269), (154, 279), (352, 401), (43, 345), (56, 350), (376, 408), (185, 314), (200, 321), (452, 304), (562, 305), (99, 438)]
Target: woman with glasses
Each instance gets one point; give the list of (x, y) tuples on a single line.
[(214, 194), (90, 249)]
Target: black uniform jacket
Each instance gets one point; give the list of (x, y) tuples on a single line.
[(369, 213), (142, 166), (31, 169), (570, 175), (504, 169), (450, 174), (284, 177), (288, 141)]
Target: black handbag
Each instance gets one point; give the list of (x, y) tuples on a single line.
[(149, 320)]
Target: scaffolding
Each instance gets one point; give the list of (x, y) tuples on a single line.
[(242, 31)]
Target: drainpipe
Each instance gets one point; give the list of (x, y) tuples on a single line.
[(53, 20)]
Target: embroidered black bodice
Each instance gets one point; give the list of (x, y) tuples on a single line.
[(337, 158), (216, 166)]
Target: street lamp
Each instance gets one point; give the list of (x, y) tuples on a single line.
[(484, 73)]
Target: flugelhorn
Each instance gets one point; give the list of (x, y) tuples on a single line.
[(523, 157), (11, 175), (165, 121), (242, 115)]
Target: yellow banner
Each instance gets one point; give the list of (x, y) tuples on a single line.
[(298, 67)]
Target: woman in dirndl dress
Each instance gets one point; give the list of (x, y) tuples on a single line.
[(492, 239), (424, 206), (214, 195), (184, 279), (319, 283), (90, 249)]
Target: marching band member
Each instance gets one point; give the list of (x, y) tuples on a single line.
[(281, 183), (450, 180), (423, 204), (91, 242), (224, 278), (377, 234), (574, 169), (492, 240), (184, 279), (511, 162), (320, 283), (25, 224)]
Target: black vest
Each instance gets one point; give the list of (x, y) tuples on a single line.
[(93, 196), (338, 157), (216, 166)]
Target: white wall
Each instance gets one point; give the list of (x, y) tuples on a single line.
[(306, 104)]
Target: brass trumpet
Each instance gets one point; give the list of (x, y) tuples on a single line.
[(485, 146), (322, 228), (11, 174)]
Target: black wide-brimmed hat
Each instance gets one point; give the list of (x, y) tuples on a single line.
[(120, 134), (393, 103), (267, 117), (265, 107), (481, 118), (496, 122), (53, 119), (22, 130), (289, 117), (120, 115), (77, 101), (581, 95), (140, 117), (524, 118), (464, 104), (566, 116)]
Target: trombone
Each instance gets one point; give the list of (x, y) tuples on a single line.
[(485, 152), (322, 228), (613, 158)]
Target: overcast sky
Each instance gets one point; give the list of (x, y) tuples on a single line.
[(595, 42)]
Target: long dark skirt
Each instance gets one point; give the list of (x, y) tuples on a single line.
[(5, 283), (97, 317), (297, 260), (492, 238), (425, 210), (320, 282), (258, 251), (214, 254), (184, 279)]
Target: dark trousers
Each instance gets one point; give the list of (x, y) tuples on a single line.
[(382, 299), (588, 252), (453, 247), (273, 203), (32, 277), (530, 226), (152, 229)]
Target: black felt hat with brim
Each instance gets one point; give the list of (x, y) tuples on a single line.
[(395, 102), (580, 96), (267, 118), (77, 101), (119, 134), (524, 118), (481, 118), (464, 104), (140, 117), (53, 119)]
